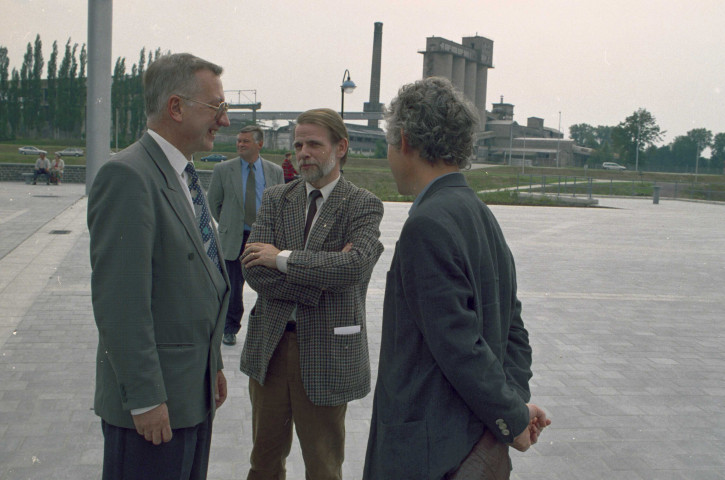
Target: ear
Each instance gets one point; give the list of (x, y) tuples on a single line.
[(405, 147), (174, 108), (341, 148)]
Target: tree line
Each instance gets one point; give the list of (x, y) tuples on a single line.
[(633, 143), (54, 107)]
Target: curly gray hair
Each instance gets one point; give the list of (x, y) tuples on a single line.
[(436, 120)]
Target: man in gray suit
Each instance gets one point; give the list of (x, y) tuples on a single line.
[(159, 287), (453, 378), (228, 196), (309, 257)]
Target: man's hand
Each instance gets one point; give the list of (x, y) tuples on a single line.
[(264, 254), (220, 389), (154, 425), (537, 423)]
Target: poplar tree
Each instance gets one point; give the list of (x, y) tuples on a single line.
[(4, 95), (52, 93)]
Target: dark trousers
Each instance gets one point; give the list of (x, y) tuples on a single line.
[(236, 306), (40, 172), (128, 456)]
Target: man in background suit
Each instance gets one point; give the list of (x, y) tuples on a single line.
[(453, 378), (309, 257), (159, 287), (227, 194)]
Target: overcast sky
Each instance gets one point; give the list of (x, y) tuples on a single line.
[(595, 62)]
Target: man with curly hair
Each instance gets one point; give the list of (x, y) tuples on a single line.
[(453, 378)]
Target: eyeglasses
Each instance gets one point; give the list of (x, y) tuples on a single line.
[(221, 109)]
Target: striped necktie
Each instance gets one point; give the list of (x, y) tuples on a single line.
[(202, 215)]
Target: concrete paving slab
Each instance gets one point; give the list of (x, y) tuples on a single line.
[(624, 306)]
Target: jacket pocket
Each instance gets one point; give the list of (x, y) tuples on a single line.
[(349, 362), (404, 450)]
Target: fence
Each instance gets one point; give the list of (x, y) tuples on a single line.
[(12, 172), (587, 187)]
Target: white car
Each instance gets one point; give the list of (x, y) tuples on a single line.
[(71, 152), (31, 151), (613, 166)]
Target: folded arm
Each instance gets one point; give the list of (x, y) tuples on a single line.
[(309, 273)]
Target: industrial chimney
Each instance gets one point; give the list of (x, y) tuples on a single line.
[(374, 104)]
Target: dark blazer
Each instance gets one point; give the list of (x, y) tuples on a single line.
[(158, 300), (328, 288), (454, 355), (226, 201)]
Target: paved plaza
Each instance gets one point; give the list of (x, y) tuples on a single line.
[(624, 304)]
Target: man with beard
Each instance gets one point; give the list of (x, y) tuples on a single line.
[(309, 257)]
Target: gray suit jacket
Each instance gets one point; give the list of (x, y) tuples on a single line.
[(328, 288), (158, 300), (454, 357), (226, 201)]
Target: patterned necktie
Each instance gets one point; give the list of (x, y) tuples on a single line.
[(202, 215), (250, 198), (314, 195)]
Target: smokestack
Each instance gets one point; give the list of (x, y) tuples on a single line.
[(374, 104)]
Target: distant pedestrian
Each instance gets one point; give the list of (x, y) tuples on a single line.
[(42, 167), (235, 195), (56, 169), (289, 170)]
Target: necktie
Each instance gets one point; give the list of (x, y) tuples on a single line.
[(250, 198), (314, 195), (202, 215)]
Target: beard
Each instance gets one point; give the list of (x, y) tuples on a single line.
[(312, 175)]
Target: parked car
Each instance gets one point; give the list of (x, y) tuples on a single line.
[(71, 152), (613, 166), (31, 151), (214, 157)]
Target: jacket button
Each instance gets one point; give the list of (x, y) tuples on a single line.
[(191, 256)]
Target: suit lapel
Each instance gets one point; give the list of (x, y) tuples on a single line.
[(328, 215), (268, 172), (293, 207), (234, 176), (178, 201)]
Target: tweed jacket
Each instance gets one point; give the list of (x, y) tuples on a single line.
[(226, 201), (159, 301), (454, 355), (328, 288)]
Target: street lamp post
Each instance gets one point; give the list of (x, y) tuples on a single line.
[(558, 138), (347, 86), (697, 158), (636, 153)]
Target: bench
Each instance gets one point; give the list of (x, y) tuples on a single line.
[(28, 177)]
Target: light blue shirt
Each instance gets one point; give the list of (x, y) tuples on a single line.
[(258, 179)]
